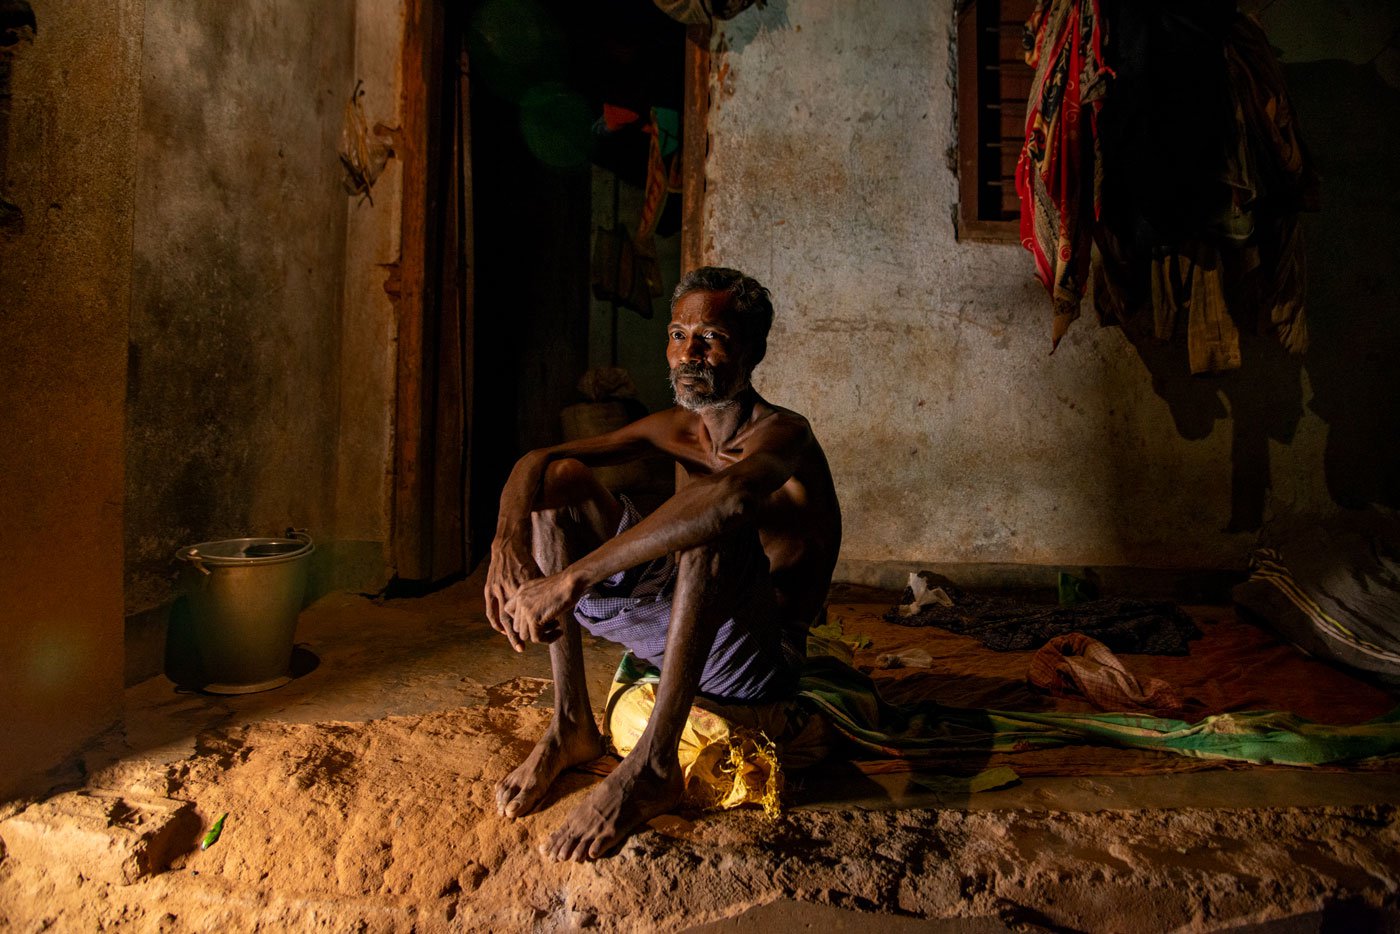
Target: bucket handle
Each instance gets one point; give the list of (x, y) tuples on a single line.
[(301, 535), (194, 557)]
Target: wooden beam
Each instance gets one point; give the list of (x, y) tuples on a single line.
[(471, 549), (968, 113), (420, 69), (696, 139), (695, 133)]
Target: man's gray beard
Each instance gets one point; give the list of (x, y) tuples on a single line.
[(715, 397), (697, 406)]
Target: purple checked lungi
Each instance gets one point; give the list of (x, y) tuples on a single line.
[(753, 660)]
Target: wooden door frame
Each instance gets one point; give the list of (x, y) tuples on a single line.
[(421, 80)]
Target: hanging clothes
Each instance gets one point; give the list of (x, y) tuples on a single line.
[(1059, 170), (663, 172), (1163, 161), (1192, 280), (1271, 180)]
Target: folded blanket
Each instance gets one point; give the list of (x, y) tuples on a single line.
[(1333, 589)]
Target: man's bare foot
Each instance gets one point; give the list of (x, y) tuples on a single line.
[(557, 750), (633, 794)]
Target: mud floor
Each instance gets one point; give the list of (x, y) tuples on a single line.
[(386, 823)]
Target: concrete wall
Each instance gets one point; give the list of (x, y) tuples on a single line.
[(923, 362), (186, 265), (238, 276), (68, 115)]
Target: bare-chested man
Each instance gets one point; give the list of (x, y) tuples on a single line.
[(716, 587)]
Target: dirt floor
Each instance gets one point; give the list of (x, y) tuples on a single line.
[(359, 797)]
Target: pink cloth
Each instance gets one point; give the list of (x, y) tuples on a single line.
[(1075, 665)]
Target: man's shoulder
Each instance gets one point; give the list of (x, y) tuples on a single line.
[(788, 415), (667, 428), (778, 418), (663, 421)]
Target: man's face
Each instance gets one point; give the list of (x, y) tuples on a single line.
[(706, 351)]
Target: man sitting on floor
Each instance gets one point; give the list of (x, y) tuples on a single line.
[(717, 587)]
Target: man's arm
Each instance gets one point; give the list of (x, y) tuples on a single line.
[(698, 513), (512, 556)]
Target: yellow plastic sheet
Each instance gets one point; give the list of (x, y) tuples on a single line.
[(726, 765)]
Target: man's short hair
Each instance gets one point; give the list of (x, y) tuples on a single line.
[(748, 300)]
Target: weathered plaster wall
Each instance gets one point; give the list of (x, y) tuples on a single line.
[(1342, 61), (364, 458), (238, 276), (67, 158), (923, 362)]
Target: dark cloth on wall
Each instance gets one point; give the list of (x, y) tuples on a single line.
[(624, 273), (1213, 246), (1272, 180), (1008, 624), (1164, 117)]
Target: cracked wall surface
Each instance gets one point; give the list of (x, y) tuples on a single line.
[(239, 259)]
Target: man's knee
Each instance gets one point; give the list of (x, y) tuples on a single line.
[(572, 499), (719, 564), (566, 483)]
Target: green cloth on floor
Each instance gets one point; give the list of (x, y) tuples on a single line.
[(850, 701)]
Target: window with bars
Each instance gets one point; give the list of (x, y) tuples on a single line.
[(994, 82)]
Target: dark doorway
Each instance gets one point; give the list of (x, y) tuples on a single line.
[(522, 168), (542, 73)]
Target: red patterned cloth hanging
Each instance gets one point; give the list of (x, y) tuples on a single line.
[(1058, 209)]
